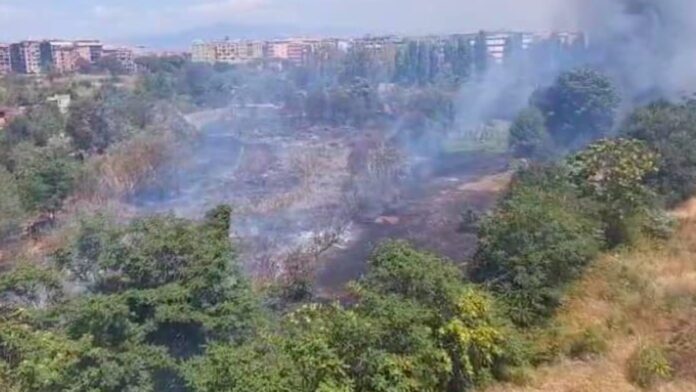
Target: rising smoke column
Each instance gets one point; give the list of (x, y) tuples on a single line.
[(649, 46)]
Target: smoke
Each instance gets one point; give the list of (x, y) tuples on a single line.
[(647, 46)]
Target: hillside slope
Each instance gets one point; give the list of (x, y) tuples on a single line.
[(643, 297)]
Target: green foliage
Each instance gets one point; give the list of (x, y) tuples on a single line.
[(45, 177), (529, 136), (613, 173), (112, 115), (46, 361), (30, 286), (38, 125), (590, 342), (11, 211), (670, 130), (539, 238), (467, 325), (153, 291), (579, 107), (648, 366), (252, 367)]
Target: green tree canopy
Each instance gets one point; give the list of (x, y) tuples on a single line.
[(580, 106), (539, 238), (669, 129), (529, 136)]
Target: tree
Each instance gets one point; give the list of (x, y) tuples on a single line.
[(613, 172), (579, 107), (669, 129), (45, 177), (258, 366), (469, 330), (539, 238), (39, 124), (529, 137), (11, 211)]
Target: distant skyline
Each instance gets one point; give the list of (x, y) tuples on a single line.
[(174, 23)]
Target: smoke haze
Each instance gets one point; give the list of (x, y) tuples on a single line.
[(648, 46)]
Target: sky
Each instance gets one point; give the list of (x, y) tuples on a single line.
[(174, 22)]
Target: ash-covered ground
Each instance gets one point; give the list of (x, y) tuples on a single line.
[(323, 195)]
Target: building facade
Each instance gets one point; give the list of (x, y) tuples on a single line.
[(26, 57), (202, 52), (5, 59), (58, 56), (124, 56), (89, 50), (227, 51)]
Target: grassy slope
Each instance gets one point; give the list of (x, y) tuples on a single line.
[(641, 296)]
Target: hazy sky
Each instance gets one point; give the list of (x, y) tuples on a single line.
[(126, 19)]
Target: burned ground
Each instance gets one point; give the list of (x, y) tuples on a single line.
[(330, 193)]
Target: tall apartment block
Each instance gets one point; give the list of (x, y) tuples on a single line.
[(58, 56), (67, 56), (89, 50), (26, 57), (5, 59)]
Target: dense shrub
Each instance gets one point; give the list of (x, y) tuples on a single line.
[(670, 130), (579, 107), (613, 173), (529, 137), (648, 365), (539, 238)]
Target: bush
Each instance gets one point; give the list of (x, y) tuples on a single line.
[(529, 137), (539, 238), (670, 130), (588, 343), (579, 107), (648, 366)]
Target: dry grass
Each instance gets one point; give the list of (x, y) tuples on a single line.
[(647, 294)]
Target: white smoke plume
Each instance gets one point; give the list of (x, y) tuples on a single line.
[(648, 46)]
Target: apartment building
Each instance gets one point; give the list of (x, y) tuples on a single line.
[(202, 52), (5, 59), (89, 50), (277, 50), (59, 56), (227, 51), (26, 57), (124, 56)]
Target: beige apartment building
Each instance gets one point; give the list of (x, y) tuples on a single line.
[(59, 56), (89, 50), (202, 52), (227, 51)]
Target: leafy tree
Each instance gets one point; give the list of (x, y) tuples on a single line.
[(45, 177), (613, 172), (539, 238), (669, 129), (39, 124), (11, 211), (529, 136), (253, 367), (580, 106), (468, 328)]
